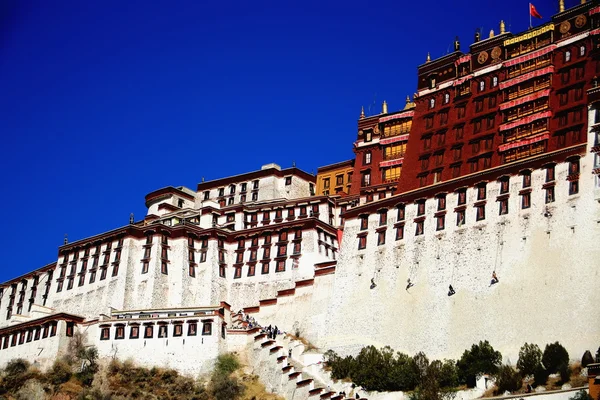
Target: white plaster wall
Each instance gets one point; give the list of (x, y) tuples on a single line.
[(41, 352), (548, 269), (191, 355)]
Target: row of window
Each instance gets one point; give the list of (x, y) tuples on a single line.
[(134, 330), (278, 216), (34, 333), (280, 266), (232, 189), (574, 168)]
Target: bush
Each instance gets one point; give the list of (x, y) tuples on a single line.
[(508, 379), (481, 359), (59, 373), (341, 368), (530, 357), (540, 376), (15, 367), (449, 374), (15, 375), (587, 359), (555, 357), (225, 387), (227, 363)]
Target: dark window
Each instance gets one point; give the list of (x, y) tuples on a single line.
[(364, 222), (574, 187), (481, 192), (149, 331), (380, 238), (120, 332), (480, 212), (366, 158), (503, 207), (206, 328), (134, 332), (419, 228), (192, 328), (401, 212), (400, 232), (177, 330), (504, 185), (525, 200), (550, 174), (265, 268), (237, 273), (280, 266), (526, 179), (362, 242), (550, 195), (105, 333), (421, 207), (441, 202), (383, 218), (288, 180), (440, 222), (462, 197)]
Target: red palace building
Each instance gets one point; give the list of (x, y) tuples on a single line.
[(510, 100)]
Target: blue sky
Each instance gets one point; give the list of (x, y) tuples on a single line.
[(102, 102)]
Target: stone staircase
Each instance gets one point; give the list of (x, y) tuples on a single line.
[(298, 378)]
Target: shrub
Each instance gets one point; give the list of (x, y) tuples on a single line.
[(587, 359), (341, 368), (540, 376), (508, 379), (581, 395), (555, 357), (481, 359), (225, 387), (530, 357), (449, 374), (227, 363), (59, 373), (15, 367)]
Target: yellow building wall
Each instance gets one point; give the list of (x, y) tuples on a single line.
[(332, 181)]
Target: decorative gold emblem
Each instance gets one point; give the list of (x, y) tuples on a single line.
[(564, 27), (580, 21), (482, 57), (496, 53)]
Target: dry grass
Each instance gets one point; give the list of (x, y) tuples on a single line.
[(307, 345), (256, 390)]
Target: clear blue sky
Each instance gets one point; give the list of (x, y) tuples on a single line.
[(102, 102)]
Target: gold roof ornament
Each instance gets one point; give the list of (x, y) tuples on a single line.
[(491, 33), (561, 5), (362, 112), (428, 57), (583, 1), (384, 109), (502, 27), (409, 104)]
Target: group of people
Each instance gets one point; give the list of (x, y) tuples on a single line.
[(271, 332)]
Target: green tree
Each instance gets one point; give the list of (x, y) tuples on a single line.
[(587, 359), (530, 356), (508, 379), (581, 395), (555, 357), (481, 359)]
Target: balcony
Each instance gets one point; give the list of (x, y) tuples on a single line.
[(530, 89), (393, 155), (396, 132), (525, 69), (524, 113)]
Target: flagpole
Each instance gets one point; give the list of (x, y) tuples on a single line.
[(530, 24)]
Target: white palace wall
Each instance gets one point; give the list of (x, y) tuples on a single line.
[(547, 269)]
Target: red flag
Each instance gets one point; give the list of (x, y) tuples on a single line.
[(533, 12)]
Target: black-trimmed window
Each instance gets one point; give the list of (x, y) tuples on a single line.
[(481, 191), (526, 179), (237, 273), (462, 197), (251, 270), (401, 212), (380, 238), (383, 217), (265, 268), (362, 242), (504, 185), (574, 187), (421, 207), (400, 232), (460, 217), (480, 212), (105, 333), (148, 331), (550, 195), (419, 228), (192, 328), (503, 204), (441, 202), (364, 222), (120, 332), (550, 173), (69, 329), (525, 200), (163, 331), (297, 248), (206, 328), (164, 268), (177, 330), (134, 332), (280, 266), (440, 222)]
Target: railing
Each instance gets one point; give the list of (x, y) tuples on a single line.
[(529, 46), (524, 133), (529, 68), (525, 91), (394, 155), (521, 114), (399, 132)]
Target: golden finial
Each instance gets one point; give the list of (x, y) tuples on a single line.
[(407, 99), (428, 57), (362, 112), (561, 5), (583, 1), (384, 108), (502, 27), (491, 33)]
